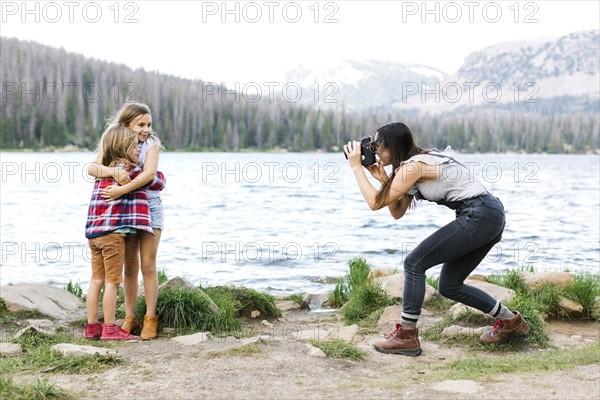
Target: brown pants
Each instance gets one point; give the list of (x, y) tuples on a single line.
[(108, 254)]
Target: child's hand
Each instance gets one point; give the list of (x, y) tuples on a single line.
[(121, 176), (111, 192)]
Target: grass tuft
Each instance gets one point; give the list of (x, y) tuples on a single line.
[(38, 356), (339, 349), (40, 390), (477, 368)]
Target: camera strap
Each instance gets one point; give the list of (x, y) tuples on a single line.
[(444, 156)]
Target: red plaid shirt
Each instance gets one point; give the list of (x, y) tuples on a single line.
[(130, 210)]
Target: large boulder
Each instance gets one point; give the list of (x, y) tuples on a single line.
[(49, 300), (394, 286), (499, 293), (560, 279)]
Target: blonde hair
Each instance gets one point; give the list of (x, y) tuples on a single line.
[(116, 144), (128, 113)]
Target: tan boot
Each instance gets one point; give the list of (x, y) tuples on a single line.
[(403, 341), (506, 329), (131, 323), (150, 327)]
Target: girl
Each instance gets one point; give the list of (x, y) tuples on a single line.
[(106, 227), (460, 245), (138, 118)]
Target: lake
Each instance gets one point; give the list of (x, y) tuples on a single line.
[(282, 222)]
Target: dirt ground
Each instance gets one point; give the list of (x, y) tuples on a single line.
[(282, 368)]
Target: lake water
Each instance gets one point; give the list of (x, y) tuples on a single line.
[(281, 222)]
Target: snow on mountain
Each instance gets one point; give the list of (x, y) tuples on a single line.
[(557, 75), (358, 84)]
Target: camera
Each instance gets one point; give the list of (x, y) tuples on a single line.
[(366, 151)]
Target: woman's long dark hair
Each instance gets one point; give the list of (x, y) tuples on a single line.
[(399, 140)]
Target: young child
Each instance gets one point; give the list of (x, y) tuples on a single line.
[(108, 223), (138, 118)]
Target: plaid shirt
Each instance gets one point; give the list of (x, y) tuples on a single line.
[(130, 210)]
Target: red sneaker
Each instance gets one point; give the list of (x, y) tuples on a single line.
[(115, 332), (93, 330)]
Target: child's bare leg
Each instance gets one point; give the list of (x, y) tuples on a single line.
[(109, 302), (92, 300), (131, 274), (148, 250)]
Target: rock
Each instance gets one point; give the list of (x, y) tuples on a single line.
[(315, 351), (10, 349), (560, 279), (266, 323), (379, 272), (570, 307), (254, 314), (70, 349), (288, 305), (458, 386), (394, 286), (42, 325), (499, 293), (176, 283), (349, 334), (180, 283), (192, 340), (456, 330), (595, 312), (32, 330), (51, 301), (389, 318), (458, 308), (477, 277)]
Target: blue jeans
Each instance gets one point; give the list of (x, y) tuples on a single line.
[(460, 246)]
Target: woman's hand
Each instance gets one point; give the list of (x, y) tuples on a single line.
[(112, 192), (377, 170), (121, 176), (353, 153)]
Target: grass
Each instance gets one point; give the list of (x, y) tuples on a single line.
[(584, 289), (364, 301), (339, 349), (38, 356), (360, 298), (298, 298), (358, 274), (188, 311), (478, 368), (76, 290), (249, 300), (39, 390)]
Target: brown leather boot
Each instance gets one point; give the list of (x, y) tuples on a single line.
[(150, 327), (506, 329), (131, 323), (403, 341)]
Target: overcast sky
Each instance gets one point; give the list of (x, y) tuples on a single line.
[(245, 41)]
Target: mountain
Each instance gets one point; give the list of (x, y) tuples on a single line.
[(546, 76), (542, 76), (358, 84)]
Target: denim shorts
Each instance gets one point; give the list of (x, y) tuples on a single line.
[(156, 212)]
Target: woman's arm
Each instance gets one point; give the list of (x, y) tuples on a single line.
[(150, 167), (398, 208), (406, 176), (97, 170)]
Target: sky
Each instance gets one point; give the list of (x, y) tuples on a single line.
[(258, 41)]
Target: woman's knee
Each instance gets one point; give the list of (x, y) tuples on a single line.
[(449, 290)]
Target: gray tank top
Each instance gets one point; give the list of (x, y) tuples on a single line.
[(456, 182)]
